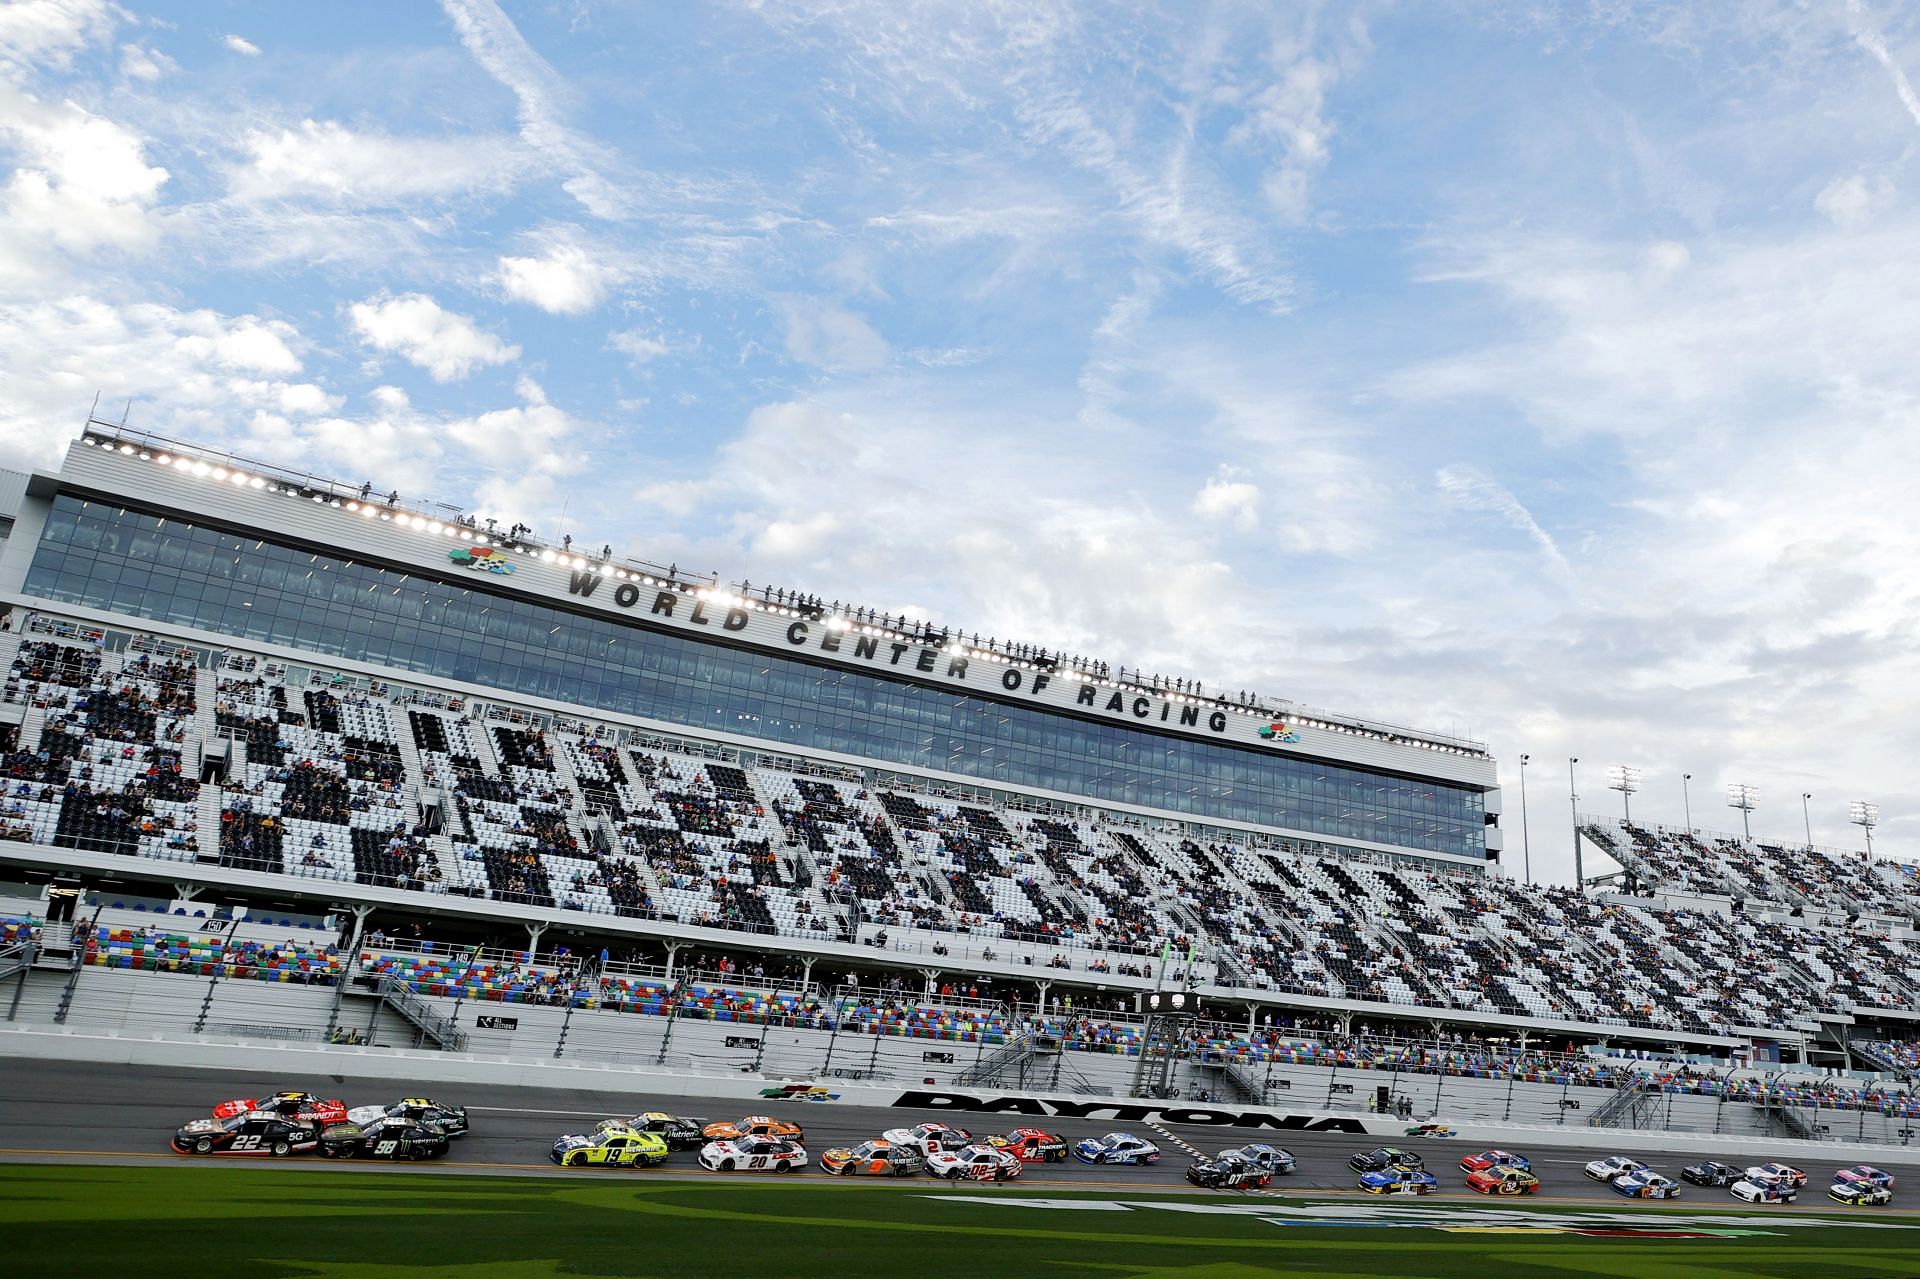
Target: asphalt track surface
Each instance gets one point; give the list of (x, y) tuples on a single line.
[(74, 1112)]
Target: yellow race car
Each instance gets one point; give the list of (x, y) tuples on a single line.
[(611, 1145)]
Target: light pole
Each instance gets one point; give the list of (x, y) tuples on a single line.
[(1866, 816), (1573, 802), (1745, 798), (1626, 780), (1807, 817), (1526, 844), (1686, 800)]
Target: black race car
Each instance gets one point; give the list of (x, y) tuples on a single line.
[(1383, 1158), (1229, 1170), (1711, 1173), (678, 1132), (385, 1138), (254, 1133), (452, 1120)]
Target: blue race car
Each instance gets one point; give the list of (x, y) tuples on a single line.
[(1646, 1184), (1399, 1181), (1116, 1148)]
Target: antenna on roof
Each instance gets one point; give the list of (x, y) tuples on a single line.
[(94, 412), (124, 412)]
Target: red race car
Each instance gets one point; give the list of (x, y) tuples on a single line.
[(1031, 1146), (300, 1107)]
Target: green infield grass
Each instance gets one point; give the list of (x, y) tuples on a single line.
[(264, 1222)]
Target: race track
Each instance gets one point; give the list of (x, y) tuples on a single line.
[(80, 1112)]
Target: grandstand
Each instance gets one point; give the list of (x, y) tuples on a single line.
[(231, 686)]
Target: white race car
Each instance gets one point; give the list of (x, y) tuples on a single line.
[(973, 1163), (1613, 1166), (754, 1154), (1778, 1172), (930, 1137), (1764, 1190)]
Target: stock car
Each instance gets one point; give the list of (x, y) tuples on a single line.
[(1384, 1158), (1859, 1194), (1710, 1172), (1614, 1166), (752, 1126), (1399, 1180), (1228, 1170), (1767, 1190), (300, 1107), (259, 1133), (1864, 1175), (1116, 1148), (929, 1137), (1646, 1184), (387, 1137), (1031, 1146), (679, 1133), (878, 1158), (1778, 1172), (973, 1163), (450, 1120), (1495, 1159), (611, 1145), (1268, 1159), (1503, 1179), (775, 1154)]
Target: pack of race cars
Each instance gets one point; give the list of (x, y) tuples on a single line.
[(299, 1123), (419, 1128)]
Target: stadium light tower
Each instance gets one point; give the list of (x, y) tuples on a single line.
[(1573, 801), (1526, 844), (1745, 798), (1866, 816), (1626, 780), (1686, 800), (1806, 816)]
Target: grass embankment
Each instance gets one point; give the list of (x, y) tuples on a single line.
[(258, 1222)]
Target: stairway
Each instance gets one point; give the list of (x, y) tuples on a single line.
[(206, 812), (31, 726)]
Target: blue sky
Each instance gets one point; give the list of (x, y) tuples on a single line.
[(1543, 373)]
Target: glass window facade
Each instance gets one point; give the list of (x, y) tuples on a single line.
[(169, 570)]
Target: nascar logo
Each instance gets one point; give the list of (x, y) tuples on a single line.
[(485, 559)]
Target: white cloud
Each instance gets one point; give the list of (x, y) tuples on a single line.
[(42, 35), (446, 344), (1234, 500), (137, 62), (826, 334), (327, 160), (1871, 40), (82, 183), (1854, 201), (1471, 488), (637, 346), (565, 280), (242, 46), (189, 373), (497, 45)]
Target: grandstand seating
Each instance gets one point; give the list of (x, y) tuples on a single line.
[(337, 779)]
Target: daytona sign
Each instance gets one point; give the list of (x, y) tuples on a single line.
[(1125, 1112)]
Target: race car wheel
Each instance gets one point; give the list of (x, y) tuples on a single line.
[(204, 1146), (419, 1152), (953, 1174), (726, 1165), (576, 1160), (785, 1167), (282, 1148)]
